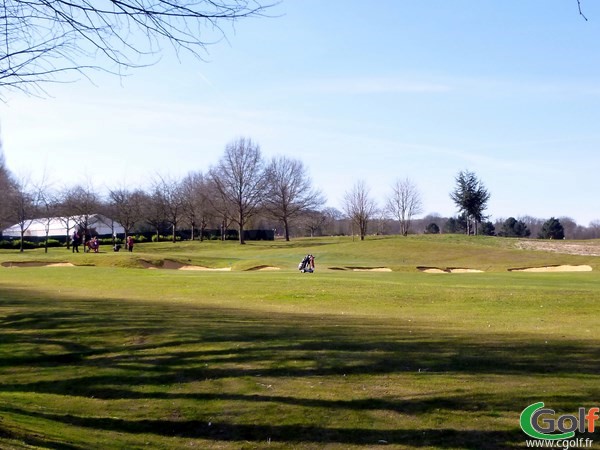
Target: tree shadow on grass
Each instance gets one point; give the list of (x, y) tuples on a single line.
[(133, 345), (292, 434)]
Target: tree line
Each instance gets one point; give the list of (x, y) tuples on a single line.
[(241, 186), (244, 190)]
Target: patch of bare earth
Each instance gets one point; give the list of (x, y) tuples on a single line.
[(374, 269), (568, 248), (563, 268)]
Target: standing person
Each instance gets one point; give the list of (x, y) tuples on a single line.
[(130, 243), (75, 241)]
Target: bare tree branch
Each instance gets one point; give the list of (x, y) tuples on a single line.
[(40, 39), (580, 12)]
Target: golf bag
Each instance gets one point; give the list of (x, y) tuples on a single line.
[(307, 264)]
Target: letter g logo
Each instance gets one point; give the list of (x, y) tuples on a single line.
[(529, 423)]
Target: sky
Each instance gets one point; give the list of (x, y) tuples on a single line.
[(371, 91)]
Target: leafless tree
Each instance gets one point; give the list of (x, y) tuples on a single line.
[(222, 209), (360, 207), (41, 39), (48, 205), (22, 206), (313, 222), (570, 227), (290, 191), (404, 203), (240, 180), (533, 223), (170, 190), (154, 211), (594, 228), (580, 11), (7, 186), (78, 203), (196, 205), (126, 206)]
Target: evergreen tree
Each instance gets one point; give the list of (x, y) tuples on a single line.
[(514, 228), (432, 228), (552, 229), (487, 229), (471, 197)]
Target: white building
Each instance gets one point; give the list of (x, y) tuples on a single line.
[(97, 224)]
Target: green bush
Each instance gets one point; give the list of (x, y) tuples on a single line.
[(51, 243), (140, 238), (16, 244), (162, 238), (109, 241)]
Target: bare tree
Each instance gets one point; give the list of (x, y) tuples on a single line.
[(290, 191), (223, 209), (154, 211), (404, 203), (22, 206), (313, 221), (360, 207), (594, 228), (240, 180), (170, 191), (48, 205), (41, 39), (126, 207), (8, 186), (78, 204), (196, 205)]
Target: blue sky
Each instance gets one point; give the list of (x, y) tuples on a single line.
[(357, 90)]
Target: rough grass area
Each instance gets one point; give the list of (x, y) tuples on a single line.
[(123, 358)]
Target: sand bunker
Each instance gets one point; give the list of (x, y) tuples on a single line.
[(363, 269), (174, 265), (564, 268), (263, 268), (36, 264), (448, 270)]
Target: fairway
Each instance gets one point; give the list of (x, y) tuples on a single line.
[(107, 354)]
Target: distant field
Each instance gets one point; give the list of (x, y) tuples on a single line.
[(110, 354)]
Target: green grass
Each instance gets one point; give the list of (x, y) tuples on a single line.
[(118, 357)]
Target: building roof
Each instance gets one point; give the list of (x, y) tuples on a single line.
[(97, 224)]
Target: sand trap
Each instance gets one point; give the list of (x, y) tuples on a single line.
[(36, 264), (434, 270), (174, 265), (564, 268), (448, 270), (212, 269), (465, 271), (263, 268), (374, 269)]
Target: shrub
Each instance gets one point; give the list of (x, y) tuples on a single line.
[(51, 243), (432, 228)]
